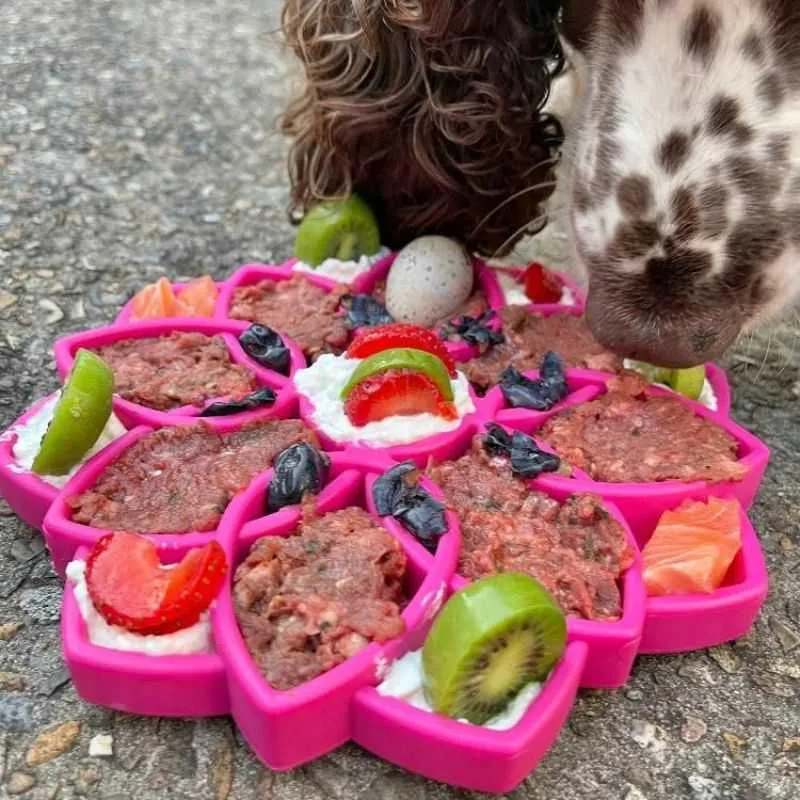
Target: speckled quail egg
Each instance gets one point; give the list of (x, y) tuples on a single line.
[(430, 278)]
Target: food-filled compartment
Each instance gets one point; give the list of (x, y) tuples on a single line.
[(577, 545), (316, 604), (164, 370), (165, 299), (174, 674), (536, 285), (173, 483), (471, 757), (646, 449), (705, 576)]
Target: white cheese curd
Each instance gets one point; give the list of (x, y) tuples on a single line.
[(404, 682), (322, 384), (344, 271), (195, 639), (514, 292), (29, 439), (708, 397)]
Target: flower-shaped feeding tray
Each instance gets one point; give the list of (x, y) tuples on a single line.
[(283, 726)]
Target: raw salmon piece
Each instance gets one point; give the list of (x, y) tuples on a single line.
[(154, 301), (692, 547), (197, 298)]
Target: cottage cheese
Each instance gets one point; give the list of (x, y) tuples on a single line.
[(404, 682), (514, 293), (708, 397), (344, 271), (322, 383), (29, 439), (195, 639)]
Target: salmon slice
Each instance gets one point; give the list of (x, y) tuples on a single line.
[(197, 298), (692, 547), (154, 301)]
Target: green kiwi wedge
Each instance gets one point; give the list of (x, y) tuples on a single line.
[(688, 382), (651, 372), (342, 229), (490, 641)]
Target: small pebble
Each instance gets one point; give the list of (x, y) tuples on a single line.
[(8, 630), (693, 730), (54, 313), (736, 744), (6, 299), (101, 745), (12, 682), (19, 783), (725, 659), (788, 638), (634, 694), (634, 794), (703, 788), (52, 742)]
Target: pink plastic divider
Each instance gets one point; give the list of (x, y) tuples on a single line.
[(26, 493), (137, 683), (124, 315), (132, 414), (283, 727), (469, 756), (678, 623)]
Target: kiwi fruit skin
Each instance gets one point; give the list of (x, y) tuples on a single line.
[(488, 642), (344, 229)]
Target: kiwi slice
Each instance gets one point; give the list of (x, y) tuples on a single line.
[(342, 229), (651, 372), (490, 641), (688, 382)]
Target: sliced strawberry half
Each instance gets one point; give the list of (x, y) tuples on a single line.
[(541, 286), (396, 393), (129, 586), (400, 334)]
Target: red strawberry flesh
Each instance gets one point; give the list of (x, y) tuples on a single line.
[(400, 334), (540, 285), (130, 588)]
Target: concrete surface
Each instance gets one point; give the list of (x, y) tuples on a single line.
[(137, 138)]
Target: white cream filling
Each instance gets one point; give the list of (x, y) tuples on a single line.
[(514, 293), (404, 682), (708, 397), (343, 271), (191, 640), (29, 439), (322, 384)]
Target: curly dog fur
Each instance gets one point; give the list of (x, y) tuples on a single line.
[(431, 110)]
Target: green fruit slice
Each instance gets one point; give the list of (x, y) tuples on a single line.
[(402, 358), (79, 417), (488, 642), (688, 382), (653, 373), (342, 229)]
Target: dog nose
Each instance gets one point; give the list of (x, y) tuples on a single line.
[(675, 342)]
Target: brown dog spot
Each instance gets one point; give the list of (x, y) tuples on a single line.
[(791, 221), (723, 114), (685, 214), (770, 90), (673, 151), (624, 20), (752, 244), (701, 33), (778, 147), (753, 47), (675, 275), (634, 195), (713, 207), (759, 182), (633, 240)]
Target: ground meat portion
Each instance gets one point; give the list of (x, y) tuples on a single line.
[(304, 312), (627, 435), (181, 479), (577, 550), (529, 337), (179, 369), (309, 602), (473, 306)]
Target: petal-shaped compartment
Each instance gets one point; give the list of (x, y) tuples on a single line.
[(352, 275), (151, 480), (677, 623), (124, 316), (288, 728), (643, 503), (469, 756), (241, 371), (510, 280), (192, 685), (485, 282), (612, 644)]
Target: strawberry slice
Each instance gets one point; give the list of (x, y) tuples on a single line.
[(129, 587), (540, 285), (396, 393), (400, 334)]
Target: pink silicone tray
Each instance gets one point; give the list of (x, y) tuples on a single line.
[(283, 727)]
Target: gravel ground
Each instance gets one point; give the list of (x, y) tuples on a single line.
[(138, 138)]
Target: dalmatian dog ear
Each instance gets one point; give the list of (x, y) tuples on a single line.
[(578, 21)]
